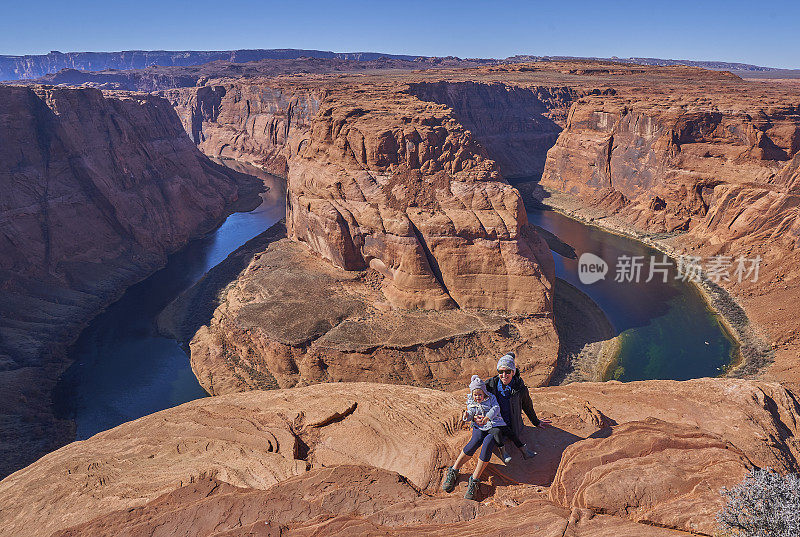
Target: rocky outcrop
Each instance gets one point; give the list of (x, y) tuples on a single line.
[(252, 440), (97, 191), (333, 456), (247, 121), (348, 501), (651, 471), (759, 419), (685, 165), (342, 329), (386, 181)]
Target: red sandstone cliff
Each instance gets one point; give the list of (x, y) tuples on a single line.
[(715, 168), (96, 191), (248, 121)]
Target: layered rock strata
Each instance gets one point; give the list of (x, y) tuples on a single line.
[(97, 190), (333, 456), (291, 319), (516, 125), (247, 121), (705, 174), (398, 193), (383, 180)]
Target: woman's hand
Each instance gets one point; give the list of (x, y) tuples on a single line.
[(481, 420)]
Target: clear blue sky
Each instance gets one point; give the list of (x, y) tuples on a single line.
[(763, 33)]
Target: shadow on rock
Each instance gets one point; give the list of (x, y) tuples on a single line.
[(549, 443), (194, 308)]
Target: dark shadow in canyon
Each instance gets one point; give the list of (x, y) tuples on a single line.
[(514, 125), (194, 308)]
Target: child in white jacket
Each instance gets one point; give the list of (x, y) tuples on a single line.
[(484, 413), (482, 403)]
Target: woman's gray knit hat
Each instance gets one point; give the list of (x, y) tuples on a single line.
[(507, 362), (477, 383)]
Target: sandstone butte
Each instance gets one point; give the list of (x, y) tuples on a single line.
[(421, 264)]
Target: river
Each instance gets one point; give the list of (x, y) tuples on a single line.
[(123, 369), (666, 330)]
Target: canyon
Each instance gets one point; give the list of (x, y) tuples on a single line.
[(97, 191), (407, 259)]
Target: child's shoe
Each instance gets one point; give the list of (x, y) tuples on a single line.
[(472, 488), (504, 455), (527, 453), (450, 478)]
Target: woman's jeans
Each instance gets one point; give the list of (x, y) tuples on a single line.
[(486, 439)]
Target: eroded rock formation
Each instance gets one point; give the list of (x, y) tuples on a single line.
[(397, 191), (333, 456), (292, 318), (386, 181), (247, 121), (712, 166), (97, 190)]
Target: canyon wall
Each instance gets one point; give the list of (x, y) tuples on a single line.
[(680, 166), (97, 190), (247, 121), (516, 125), (37, 65), (706, 172)]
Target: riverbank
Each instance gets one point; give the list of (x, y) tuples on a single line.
[(587, 346), (194, 307), (753, 355)]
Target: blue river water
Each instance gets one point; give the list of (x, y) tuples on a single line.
[(123, 369), (666, 330)]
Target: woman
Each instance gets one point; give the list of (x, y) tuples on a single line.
[(515, 399)]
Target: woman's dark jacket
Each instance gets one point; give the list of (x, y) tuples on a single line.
[(520, 400)]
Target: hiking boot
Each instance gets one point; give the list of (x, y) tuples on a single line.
[(472, 488), (527, 453), (504, 455), (450, 478)]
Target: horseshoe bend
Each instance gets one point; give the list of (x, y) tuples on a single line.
[(338, 344)]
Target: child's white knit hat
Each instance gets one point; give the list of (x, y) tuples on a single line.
[(477, 383)]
